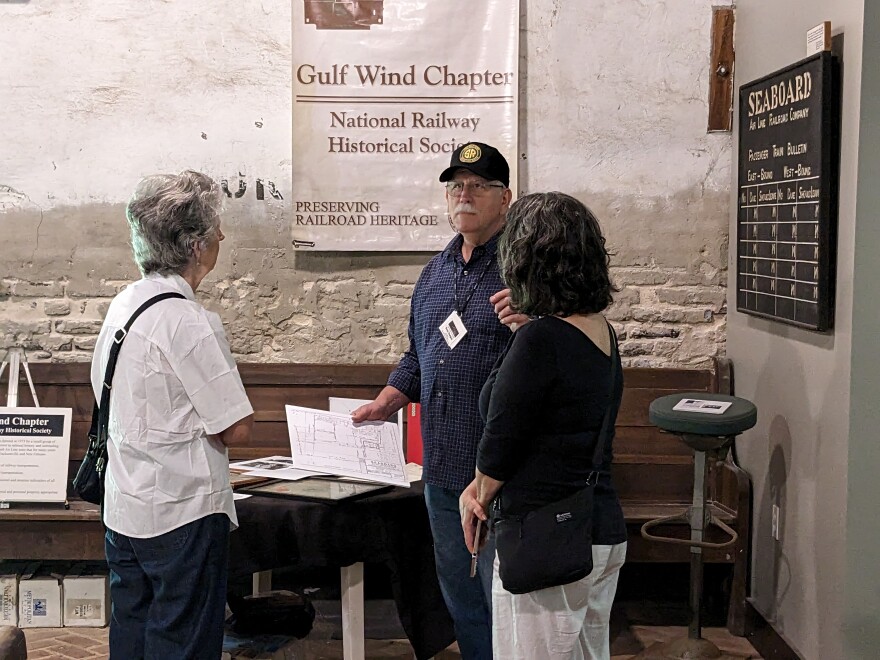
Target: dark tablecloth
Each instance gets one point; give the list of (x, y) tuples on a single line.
[(390, 529)]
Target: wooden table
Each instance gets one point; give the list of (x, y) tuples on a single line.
[(391, 529)]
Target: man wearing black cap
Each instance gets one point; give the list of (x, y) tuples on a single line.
[(460, 322)]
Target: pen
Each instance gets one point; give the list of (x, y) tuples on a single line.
[(476, 547)]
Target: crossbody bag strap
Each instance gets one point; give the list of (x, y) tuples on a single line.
[(99, 427), (606, 430)]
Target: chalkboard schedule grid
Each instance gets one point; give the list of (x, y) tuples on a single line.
[(787, 194)]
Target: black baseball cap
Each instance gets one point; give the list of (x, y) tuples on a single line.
[(482, 160)]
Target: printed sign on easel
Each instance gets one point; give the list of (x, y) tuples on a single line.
[(34, 454)]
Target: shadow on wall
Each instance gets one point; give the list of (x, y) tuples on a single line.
[(770, 567), (802, 397), (779, 572), (780, 392)]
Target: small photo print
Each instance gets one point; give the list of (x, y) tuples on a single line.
[(39, 607), (264, 465), (702, 406), (268, 463)]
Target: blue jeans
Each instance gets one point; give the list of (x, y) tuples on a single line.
[(469, 600), (168, 593)]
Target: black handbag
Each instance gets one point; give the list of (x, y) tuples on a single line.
[(89, 480), (552, 545)]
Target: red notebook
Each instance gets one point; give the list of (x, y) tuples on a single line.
[(413, 434)]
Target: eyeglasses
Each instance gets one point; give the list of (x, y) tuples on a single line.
[(477, 188)]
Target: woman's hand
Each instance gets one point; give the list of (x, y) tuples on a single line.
[(507, 314), (471, 510)]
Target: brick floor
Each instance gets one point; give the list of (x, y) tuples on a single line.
[(67, 643), (91, 644)]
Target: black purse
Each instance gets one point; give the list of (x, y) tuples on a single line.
[(89, 480), (551, 546)]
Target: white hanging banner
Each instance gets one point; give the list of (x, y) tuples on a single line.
[(383, 93), (34, 454)]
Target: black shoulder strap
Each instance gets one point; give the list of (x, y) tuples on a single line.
[(100, 414), (606, 431)]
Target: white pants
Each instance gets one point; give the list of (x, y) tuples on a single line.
[(568, 622)]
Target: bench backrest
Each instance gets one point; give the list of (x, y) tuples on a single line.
[(650, 466)]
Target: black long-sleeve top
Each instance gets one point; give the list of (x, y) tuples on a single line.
[(543, 407)]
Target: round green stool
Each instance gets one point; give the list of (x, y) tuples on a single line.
[(708, 424)]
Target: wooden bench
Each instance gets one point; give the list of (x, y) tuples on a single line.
[(653, 471)]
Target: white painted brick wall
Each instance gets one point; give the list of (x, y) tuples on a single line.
[(98, 94)]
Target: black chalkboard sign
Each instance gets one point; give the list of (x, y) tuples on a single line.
[(787, 194)]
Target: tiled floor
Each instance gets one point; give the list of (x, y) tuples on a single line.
[(91, 644)]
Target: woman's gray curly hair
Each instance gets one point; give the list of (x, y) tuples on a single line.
[(169, 214), (552, 257)]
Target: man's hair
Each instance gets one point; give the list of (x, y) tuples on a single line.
[(169, 214), (552, 256)]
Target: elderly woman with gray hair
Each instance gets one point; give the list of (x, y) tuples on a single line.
[(177, 402)]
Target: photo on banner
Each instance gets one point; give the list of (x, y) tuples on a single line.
[(383, 93)]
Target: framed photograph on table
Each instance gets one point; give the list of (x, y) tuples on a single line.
[(317, 489)]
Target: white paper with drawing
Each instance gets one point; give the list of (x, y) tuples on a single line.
[(330, 442)]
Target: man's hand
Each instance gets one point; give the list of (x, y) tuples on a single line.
[(506, 314), (370, 412), (389, 401)]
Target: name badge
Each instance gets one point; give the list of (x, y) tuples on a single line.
[(453, 330)]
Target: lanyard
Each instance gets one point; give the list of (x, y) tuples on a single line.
[(459, 306)]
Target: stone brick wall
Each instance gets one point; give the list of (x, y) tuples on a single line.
[(663, 317)]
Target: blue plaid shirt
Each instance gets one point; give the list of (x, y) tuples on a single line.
[(447, 382)]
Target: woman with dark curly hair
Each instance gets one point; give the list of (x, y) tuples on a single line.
[(544, 406)]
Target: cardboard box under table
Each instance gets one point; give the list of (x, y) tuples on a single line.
[(10, 572), (39, 600), (86, 597)]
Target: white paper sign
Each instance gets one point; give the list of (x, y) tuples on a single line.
[(819, 38), (34, 454), (702, 406), (383, 93)]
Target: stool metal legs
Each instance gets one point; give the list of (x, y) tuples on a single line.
[(698, 524), (699, 518)]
